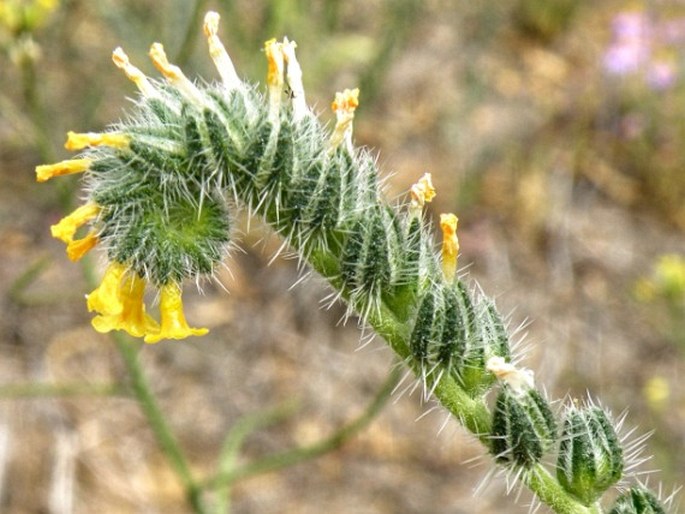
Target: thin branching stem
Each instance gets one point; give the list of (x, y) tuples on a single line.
[(297, 455)]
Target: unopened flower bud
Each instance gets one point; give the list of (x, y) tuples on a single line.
[(523, 427), (637, 500), (590, 456)]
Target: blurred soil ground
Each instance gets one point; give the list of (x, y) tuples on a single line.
[(558, 236)]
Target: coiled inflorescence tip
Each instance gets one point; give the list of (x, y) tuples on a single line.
[(157, 183)]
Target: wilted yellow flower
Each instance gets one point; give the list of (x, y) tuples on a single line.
[(450, 246), (422, 192)]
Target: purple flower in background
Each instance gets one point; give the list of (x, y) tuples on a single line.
[(661, 75), (631, 25), (625, 59), (636, 39), (631, 48)]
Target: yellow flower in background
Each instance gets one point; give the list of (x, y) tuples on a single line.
[(670, 275), (666, 281), (25, 15), (657, 392)]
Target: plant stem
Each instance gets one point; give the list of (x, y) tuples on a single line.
[(297, 455), (473, 413), (550, 492), (233, 443), (186, 49), (39, 390), (157, 421)]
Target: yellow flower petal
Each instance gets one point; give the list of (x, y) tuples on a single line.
[(67, 227), (104, 324), (450, 246), (106, 299), (48, 171), (134, 319), (174, 324), (79, 141), (79, 247)]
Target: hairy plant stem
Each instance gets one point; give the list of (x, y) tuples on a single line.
[(472, 413)]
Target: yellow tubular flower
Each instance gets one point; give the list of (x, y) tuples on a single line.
[(174, 324), (133, 318), (67, 227), (450, 246), (106, 299), (79, 247), (48, 171), (76, 141)]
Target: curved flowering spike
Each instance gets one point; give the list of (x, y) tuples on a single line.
[(274, 76), (294, 78), (67, 226), (105, 299), (79, 141), (136, 76), (344, 106), (450, 246), (174, 75), (218, 53), (174, 324), (47, 171), (132, 318)]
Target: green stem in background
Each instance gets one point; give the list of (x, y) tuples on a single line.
[(186, 49), (295, 456), (37, 113), (15, 293), (234, 440), (128, 349), (35, 390), (165, 437)]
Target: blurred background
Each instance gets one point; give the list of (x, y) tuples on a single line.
[(553, 128)]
